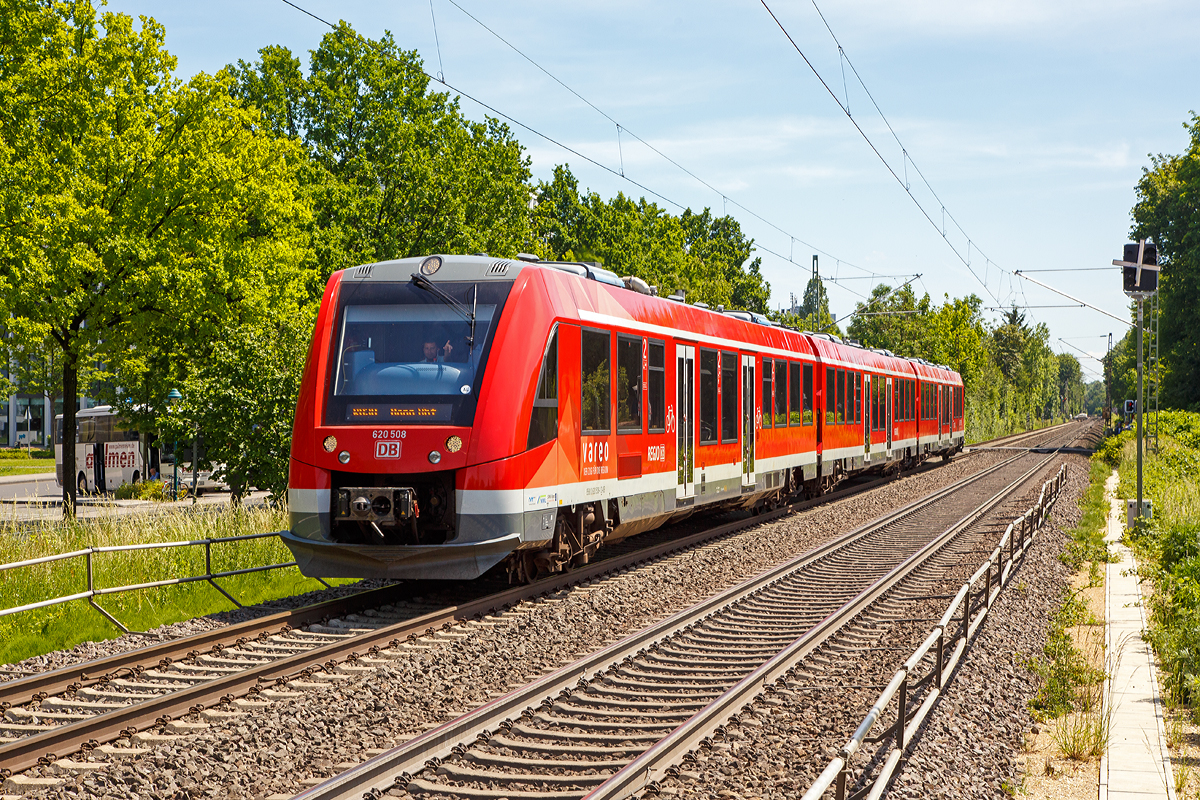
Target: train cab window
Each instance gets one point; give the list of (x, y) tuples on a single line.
[(795, 403), (768, 393), (596, 383), (807, 418), (830, 396), (629, 384), (543, 423), (656, 401), (841, 396), (708, 397), (729, 397), (781, 386)]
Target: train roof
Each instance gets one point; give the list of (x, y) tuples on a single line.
[(640, 306)]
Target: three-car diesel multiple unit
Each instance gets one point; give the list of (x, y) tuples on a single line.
[(460, 411)]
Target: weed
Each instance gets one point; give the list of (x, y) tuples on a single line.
[(1082, 736), (1182, 774), (1068, 681)]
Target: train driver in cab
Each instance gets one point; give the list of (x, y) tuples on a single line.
[(434, 354)]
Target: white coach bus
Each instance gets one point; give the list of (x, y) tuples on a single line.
[(108, 454)]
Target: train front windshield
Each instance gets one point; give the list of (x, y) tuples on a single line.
[(408, 354)]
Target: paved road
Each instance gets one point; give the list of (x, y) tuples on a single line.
[(33, 486)]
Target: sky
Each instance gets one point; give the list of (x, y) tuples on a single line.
[(1019, 127)]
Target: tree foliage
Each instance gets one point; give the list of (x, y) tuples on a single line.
[(696, 253), (138, 209), (1168, 212)]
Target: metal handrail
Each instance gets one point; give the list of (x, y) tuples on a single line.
[(1017, 538), (92, 592)]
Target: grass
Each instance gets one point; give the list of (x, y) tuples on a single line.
[(1168, 547), (1083, 735), (25, 469), (57, 627), (1069, 682), (1087, 538)]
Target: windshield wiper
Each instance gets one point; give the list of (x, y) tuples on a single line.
[(467, 314)]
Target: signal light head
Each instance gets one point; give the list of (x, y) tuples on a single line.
[(453, 444), (330, 444), (431, 265)]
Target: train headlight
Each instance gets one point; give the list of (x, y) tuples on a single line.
[(330, 444), (431, 265), (434, 457), (453, 444), (344, 456)]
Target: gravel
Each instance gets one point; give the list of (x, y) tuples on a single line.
[(335, 719)]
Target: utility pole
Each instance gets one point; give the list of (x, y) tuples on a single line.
[(1140, 280)]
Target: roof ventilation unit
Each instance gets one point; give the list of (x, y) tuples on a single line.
[(529, 257), (636, 284)]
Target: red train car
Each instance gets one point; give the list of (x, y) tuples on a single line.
[(460, 411)]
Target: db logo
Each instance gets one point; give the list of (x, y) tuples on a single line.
[(389, 449)]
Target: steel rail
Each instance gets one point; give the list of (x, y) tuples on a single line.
[(638, 774), (67, 739), (378, 773)]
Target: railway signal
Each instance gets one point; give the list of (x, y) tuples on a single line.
[(1139, 276)]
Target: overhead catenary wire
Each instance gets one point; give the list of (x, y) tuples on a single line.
[(624, 129)]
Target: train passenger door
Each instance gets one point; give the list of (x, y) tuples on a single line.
[(870, 406), (685, 439), (748, 427), (888, 417)]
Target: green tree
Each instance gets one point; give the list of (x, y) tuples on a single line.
[(138, 209), (395, 169), (1168, 212), (242, 400), (704, 256)]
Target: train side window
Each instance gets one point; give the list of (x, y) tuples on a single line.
[(657, 386), (781, 387), (543, 423), (911, 411), (830, 395), (768, 394), (729, 397), (596, 383), (841, 396), (807, 419), (858, 398), (708, 397), (629, 384), (794, 401)]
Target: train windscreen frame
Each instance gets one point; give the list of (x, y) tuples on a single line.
[(381, 371)]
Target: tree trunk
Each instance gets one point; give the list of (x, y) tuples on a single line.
[(70, 470)]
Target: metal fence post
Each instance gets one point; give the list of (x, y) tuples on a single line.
[(902, 712), (840, 793), (941, 651), (987, 584)]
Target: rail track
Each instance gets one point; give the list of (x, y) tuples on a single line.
[(53, 714), (600, 726)]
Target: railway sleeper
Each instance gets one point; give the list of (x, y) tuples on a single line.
[(673, 704), (682, 692), (462, 773), (705, 660), (570, 707), (558, 748), (624, 738), (695, 679), (576, 723), (688, 647), (517, 761), (419, 786)]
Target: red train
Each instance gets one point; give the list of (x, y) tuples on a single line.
[(459, 411)]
